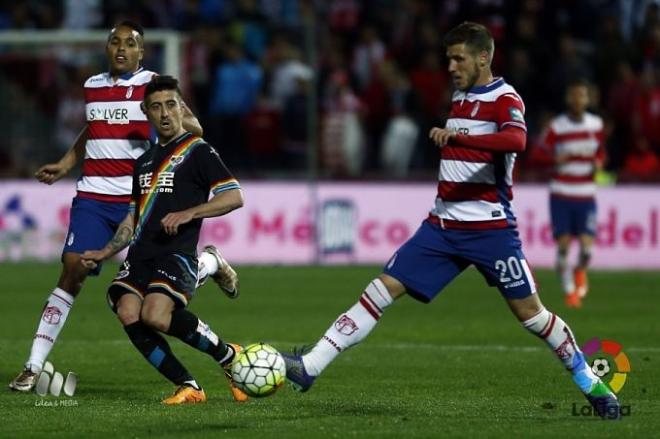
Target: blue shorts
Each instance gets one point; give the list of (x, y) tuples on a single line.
[(572, 217), (92, 224), (434, 256)]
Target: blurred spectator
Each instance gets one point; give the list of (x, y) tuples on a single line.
[(342, 138), (287, 69), (429, 81), (388, 53), (70, 116), (82, 14), (249, 28), (646, 114), (621, 109), (263, 135), (237, 83), (641, 163), (367, 56), (295, 125)]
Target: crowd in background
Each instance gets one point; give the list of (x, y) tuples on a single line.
[(373, 71)]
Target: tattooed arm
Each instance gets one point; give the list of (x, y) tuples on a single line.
[(91, 258)]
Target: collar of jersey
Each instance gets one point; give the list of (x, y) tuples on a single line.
[(176, 141), (497, 82), (126, 76)]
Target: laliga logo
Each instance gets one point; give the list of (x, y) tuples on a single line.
[(601, 366), (54, 382)]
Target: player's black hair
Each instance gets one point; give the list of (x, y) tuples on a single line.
[(160, 83), (137, 27), (474, 35)]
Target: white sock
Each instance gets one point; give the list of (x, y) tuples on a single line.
[(567, 282), (193, 384), (559, 337), (207, 265), (565, 273), (350, 328), (51, 323)]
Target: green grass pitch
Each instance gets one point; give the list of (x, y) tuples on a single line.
[(459, 367)]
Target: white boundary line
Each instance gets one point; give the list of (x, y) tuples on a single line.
[(398, 346)]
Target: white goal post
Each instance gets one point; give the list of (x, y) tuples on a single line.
[(170, 40)]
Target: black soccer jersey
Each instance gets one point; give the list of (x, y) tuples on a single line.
[(172, 178)]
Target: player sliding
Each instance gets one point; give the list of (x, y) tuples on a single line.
[(575, 140), (115, 135), (472, 223), (171, 183)]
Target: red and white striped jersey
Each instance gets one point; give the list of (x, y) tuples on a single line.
[(118, 133), (474, 185), (580, 143)]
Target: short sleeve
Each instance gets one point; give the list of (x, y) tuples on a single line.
[(212, 171), (510, 111)]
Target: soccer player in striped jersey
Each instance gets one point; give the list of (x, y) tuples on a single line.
[(575, 140), (170, 197), (115, 135), (471, 223)]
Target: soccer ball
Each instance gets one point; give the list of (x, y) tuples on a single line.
[(258, 370)]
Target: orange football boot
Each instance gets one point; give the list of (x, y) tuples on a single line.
[(581, 284), (573, 300), (236, 393), (186, 395)]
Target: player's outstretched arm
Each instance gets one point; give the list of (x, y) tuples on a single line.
[(219, 205), (91, 258), (52, 172), (190, 122)]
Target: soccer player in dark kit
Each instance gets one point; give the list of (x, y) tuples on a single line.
[(171, 185)]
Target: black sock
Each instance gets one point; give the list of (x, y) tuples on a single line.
[(191, 330), (157, 352)]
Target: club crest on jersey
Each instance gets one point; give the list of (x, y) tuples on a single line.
[(475, 109), (52, 315), (129, 92), (176, 159), (346, 325)]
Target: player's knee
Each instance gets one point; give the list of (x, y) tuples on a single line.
[(526, 308), (394, 288), (127, 316), (155, 318), (73, 274)]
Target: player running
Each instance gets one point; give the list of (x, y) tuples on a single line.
[(171, 185), (115, 135), (472, 223), (575, 140)]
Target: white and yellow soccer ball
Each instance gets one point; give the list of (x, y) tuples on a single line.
[(258, 370)]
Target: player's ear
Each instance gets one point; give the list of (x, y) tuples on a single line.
[(483, 59), (143, 107)]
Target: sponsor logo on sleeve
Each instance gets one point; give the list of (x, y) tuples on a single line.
[(516, 114)]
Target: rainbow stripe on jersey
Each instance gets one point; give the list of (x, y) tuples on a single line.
[(224, 185), (169, 164)]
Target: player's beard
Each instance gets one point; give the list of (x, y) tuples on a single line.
[(473, 78)]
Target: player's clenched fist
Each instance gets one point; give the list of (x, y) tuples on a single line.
[(441, 136), (50, 173)]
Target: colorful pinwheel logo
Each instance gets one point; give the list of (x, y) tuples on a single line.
[(597, 350)]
